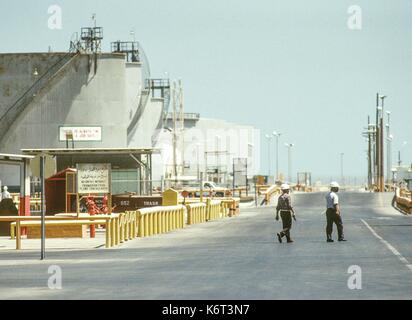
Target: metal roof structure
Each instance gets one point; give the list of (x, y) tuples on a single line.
[(14, 157), (83, 151)]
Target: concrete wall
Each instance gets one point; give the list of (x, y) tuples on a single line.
[(146, 127), (17, 74)]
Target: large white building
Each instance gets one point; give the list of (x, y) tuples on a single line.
[(208, 146)]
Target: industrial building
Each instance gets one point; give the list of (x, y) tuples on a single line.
[(83, 98)]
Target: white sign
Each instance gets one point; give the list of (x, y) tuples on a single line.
[(80, 133), (93, 178)]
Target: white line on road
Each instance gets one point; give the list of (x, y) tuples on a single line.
[(389, 246)]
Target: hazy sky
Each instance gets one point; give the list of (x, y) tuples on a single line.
[(291, 66)]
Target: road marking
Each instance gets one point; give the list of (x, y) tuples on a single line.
[(389, 246)]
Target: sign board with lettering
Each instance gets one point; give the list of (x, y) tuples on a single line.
[(80, 134), (93, 178)]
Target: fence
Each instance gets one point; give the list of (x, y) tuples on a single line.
[(127, 226)]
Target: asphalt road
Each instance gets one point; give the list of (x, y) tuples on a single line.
[(236, 258)]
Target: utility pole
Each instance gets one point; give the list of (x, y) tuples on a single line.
[(341, 169), (277, 136), (377, 147), (382, 147), (389, 149), (369, 154), (289, 146), (182, 125), (269, 137), (174, 131)]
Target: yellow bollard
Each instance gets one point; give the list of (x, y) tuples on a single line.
[(141, 225), (112, 233), (146, 225), (108, 233), (116, 226)]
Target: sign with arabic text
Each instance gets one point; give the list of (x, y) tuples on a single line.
[(93, 178), (80, 134)]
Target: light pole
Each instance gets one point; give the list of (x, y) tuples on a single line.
[(389, 148), (342, 179), (289, 146), (277, 136), (382, 148), (269, 137)]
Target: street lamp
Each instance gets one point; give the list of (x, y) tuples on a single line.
[(389, 147), (289, 146), (277, 136), (269, 138), (341, 169)]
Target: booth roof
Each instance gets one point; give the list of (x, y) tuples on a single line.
[(113, 151)]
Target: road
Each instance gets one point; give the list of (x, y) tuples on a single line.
[(236, 258)]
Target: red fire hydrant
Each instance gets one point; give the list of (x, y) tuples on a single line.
[(93, 210)]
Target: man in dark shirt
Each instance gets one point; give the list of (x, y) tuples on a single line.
[(286, 211)]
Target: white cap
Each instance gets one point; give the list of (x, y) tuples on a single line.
[(5, 188), (334, 185), (285, 187)]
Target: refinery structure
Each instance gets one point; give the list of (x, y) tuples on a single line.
[(86, 98)]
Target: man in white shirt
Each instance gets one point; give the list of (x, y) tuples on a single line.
[(333, 214), (5, 194)]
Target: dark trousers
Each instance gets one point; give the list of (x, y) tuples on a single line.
[(287, 223), (333, 218)]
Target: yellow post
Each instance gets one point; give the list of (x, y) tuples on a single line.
[(112, 236), (116, 226), (170, 198), (155, 224), (146, 225), (12, 231), (18, 235), (141, 224), (108, 230)]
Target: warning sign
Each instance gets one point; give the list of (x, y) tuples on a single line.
[(93, 178)]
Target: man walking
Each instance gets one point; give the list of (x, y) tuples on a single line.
[(333, 214), (286, 211)]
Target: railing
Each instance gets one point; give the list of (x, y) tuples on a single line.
[(127, 226), (214, 209), (269, 193), (159, 220), (196, 213), (403, 199)]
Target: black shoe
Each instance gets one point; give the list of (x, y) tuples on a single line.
[(330, 241), (279, 238), (342, 240), (291, 241)]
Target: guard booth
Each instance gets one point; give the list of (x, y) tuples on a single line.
[(23, 161), (61, 192), (7, 206), (131, 173)]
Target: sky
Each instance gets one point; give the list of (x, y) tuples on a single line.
[(290, 66)]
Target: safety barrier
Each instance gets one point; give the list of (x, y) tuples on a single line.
[(403, 200), (214, 209), (123, 227), (196, 213), (230, 207), (158, 220), (269, 193)]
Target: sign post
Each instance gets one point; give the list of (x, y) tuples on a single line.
[(94, 179)]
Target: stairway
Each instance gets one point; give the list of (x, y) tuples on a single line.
[(12, 112)]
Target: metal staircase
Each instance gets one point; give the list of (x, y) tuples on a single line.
[(13, 111)]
